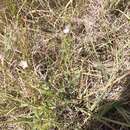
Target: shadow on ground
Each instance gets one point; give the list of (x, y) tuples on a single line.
[(114, 114)]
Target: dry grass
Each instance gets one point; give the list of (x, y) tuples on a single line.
[(64, 65)]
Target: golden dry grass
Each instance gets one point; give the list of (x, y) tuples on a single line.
[(64, 65)]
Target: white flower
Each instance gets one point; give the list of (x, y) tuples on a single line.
[(23, 64), (66, 29)]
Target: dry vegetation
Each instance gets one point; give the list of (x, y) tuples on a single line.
[(64, 65)]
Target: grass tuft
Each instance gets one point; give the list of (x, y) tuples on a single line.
[(64, 64)]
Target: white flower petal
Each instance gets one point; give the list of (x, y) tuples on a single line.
[(23, 64), (66, 29)]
